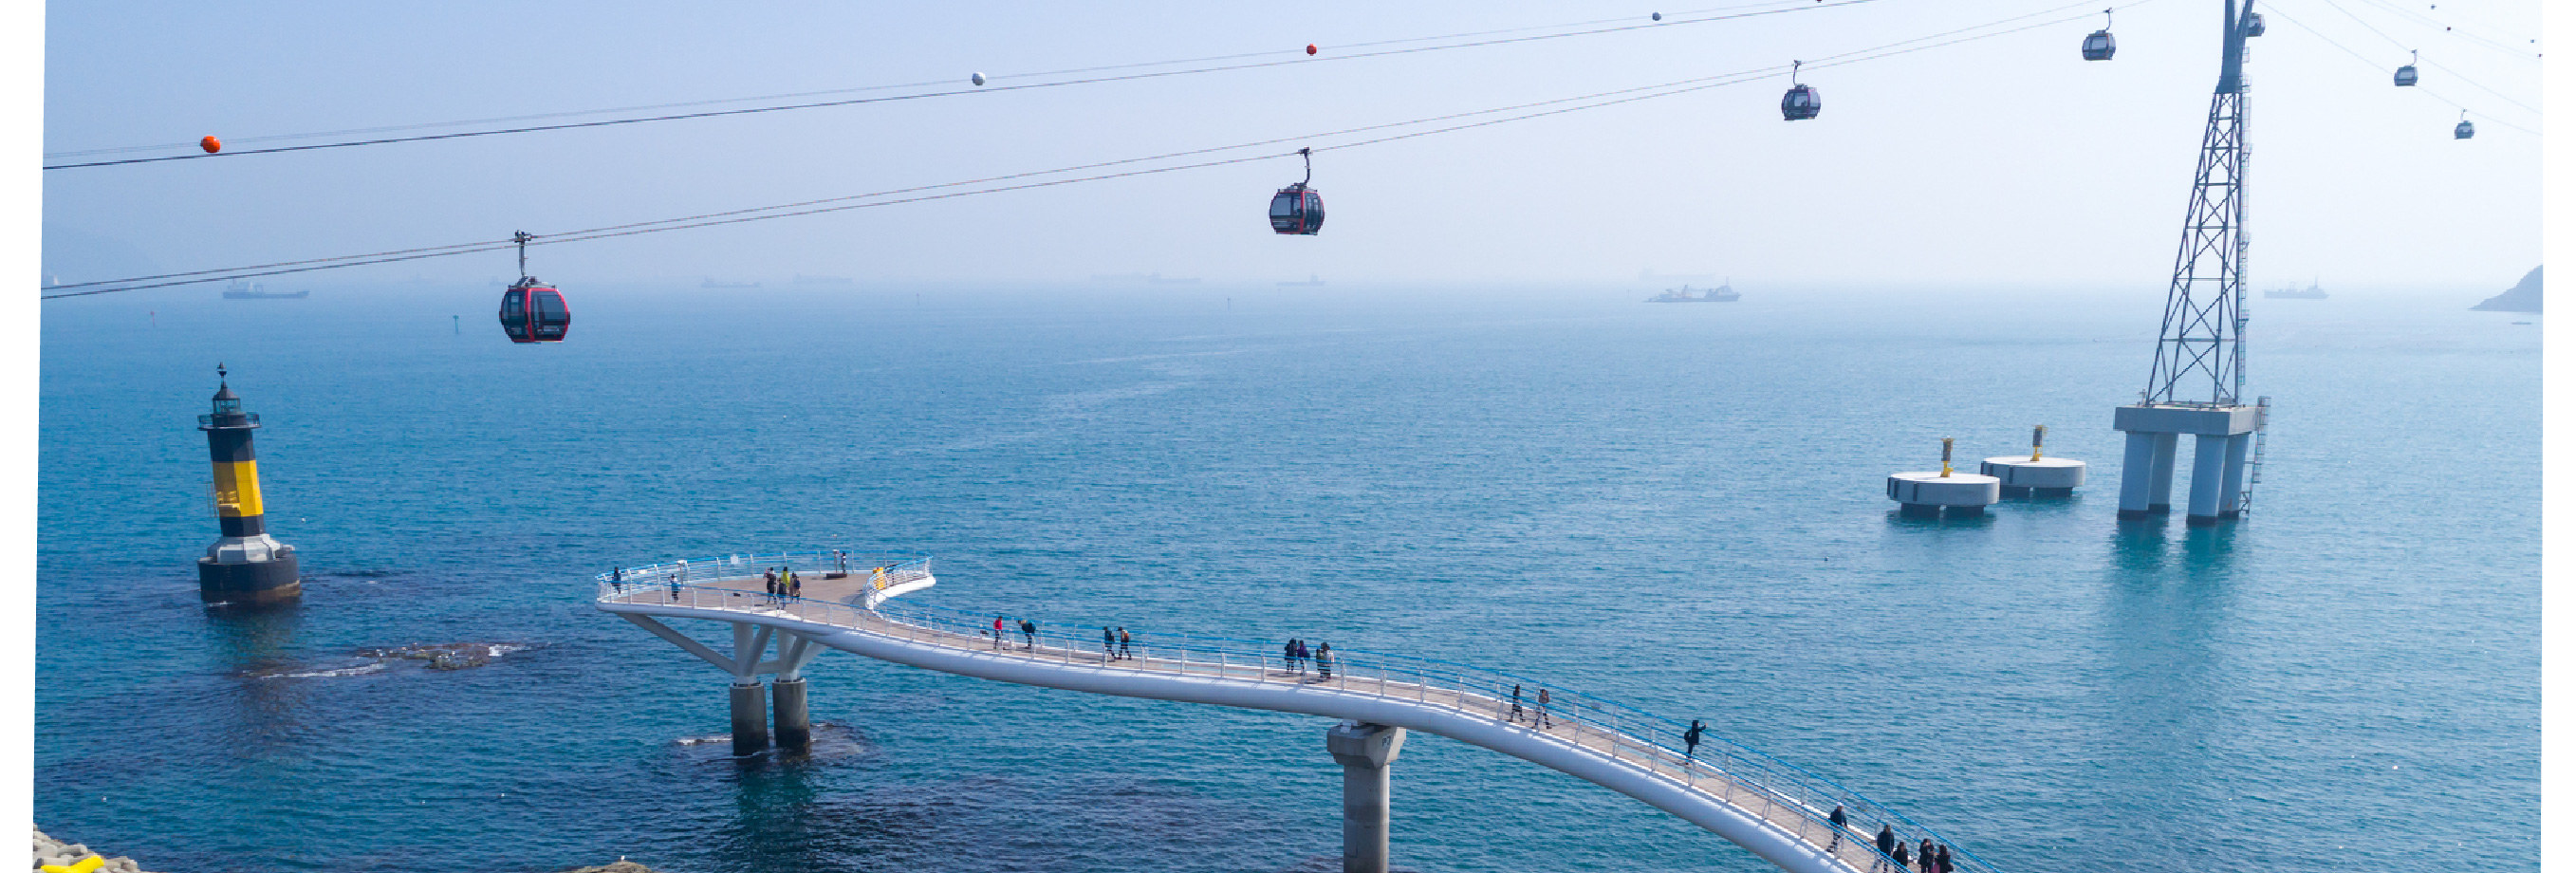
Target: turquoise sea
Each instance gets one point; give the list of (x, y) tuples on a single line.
[(1675, 506)]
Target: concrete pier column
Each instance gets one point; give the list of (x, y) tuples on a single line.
[(750, 718), (2208, 477), (2232, 485), (2161, 473), (1366, 753), (795, 729), (2137, 473)]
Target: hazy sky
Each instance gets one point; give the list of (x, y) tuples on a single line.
[(2004, 160)]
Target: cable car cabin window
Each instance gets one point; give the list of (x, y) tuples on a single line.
[(514, 309), (1314, 211)]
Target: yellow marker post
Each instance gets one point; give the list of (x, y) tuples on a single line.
[(1945, 457), (2036, 431)]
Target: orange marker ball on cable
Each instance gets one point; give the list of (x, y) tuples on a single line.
[(211, 145), (1310, 48)]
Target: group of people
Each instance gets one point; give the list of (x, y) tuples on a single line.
[(1115, 644), (781, 583), (1028, 633), (1926, 857), (1537, 718), (1298, 656)]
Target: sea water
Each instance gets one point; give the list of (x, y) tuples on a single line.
[(1675, 506)]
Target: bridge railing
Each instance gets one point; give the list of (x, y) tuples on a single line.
[(1749, 779)]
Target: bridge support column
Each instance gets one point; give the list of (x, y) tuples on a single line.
[(1366, 753), (750, 718), (795, 729)]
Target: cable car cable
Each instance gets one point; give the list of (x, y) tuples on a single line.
[(2365, 59), (2523, 52), (865, 88), (1622, 96), (857, 101), (2454, 73)]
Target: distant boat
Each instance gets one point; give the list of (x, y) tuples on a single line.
[(2285, 292), (803, 279), (1719, 294), (1311, 282), (711, 283), (251, 291)]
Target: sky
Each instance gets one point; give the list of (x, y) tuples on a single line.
[(2001, 161)]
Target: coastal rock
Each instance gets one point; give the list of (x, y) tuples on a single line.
[(56, 852), (2522, 297)]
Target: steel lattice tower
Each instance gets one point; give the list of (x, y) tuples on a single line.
[(2203, 340)]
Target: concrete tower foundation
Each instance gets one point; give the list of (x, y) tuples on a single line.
[(795, 727), (750, 718), (2221, 437)]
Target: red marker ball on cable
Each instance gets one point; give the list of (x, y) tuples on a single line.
[(1310, 48), (211, 145)]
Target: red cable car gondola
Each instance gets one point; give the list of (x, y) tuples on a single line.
[(532, 311), (1298, 210)]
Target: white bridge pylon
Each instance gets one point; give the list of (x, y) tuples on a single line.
[(1777, 811)]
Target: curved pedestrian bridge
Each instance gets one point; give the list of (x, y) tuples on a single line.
[(1776, 810)]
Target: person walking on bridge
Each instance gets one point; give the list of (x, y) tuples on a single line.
[(1123, 640), (769, 583), (1887, 845), (1108, 643), (1690, 741), (1516, 703), (997, 631), (1839, 822), (1543, 722), (1028, 634)]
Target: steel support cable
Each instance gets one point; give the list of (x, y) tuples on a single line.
[(2365, 59), (2522, 52), (650, 107), (954, 92), (740, 216), (2473, 83)]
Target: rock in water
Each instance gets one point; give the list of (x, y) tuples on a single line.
[(622, 866), (53, 851), (2522, 297)]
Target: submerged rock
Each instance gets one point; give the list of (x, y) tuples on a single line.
[(446, 656), (622, 866)]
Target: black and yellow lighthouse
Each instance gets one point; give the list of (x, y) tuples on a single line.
[(246, 566)]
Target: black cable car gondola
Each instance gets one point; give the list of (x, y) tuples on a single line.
[(1298, 210), (532, 311), (1802, 102), (2100, 45), (2464, 129), (2406, 74), (2253, 23)]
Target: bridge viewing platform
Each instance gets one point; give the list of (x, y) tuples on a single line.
[(1778, 811)]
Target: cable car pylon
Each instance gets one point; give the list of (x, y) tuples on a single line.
[(2202, 342)]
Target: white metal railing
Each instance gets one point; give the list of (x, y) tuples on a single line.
[(1787, 796)]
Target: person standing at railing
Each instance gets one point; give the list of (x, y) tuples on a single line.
[(1903, 859), (769, 583), (1887, 845), (1839, 821), (1925, 859), (997, 631), (1690, 741), (1943, 862), (1028, 634), (1516, 703), (1543, 723), (795, 584), (1324, 660), (679, 573), (1288, 656), (1123, 641)]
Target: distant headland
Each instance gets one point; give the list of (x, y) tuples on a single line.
[(2522, 297)]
